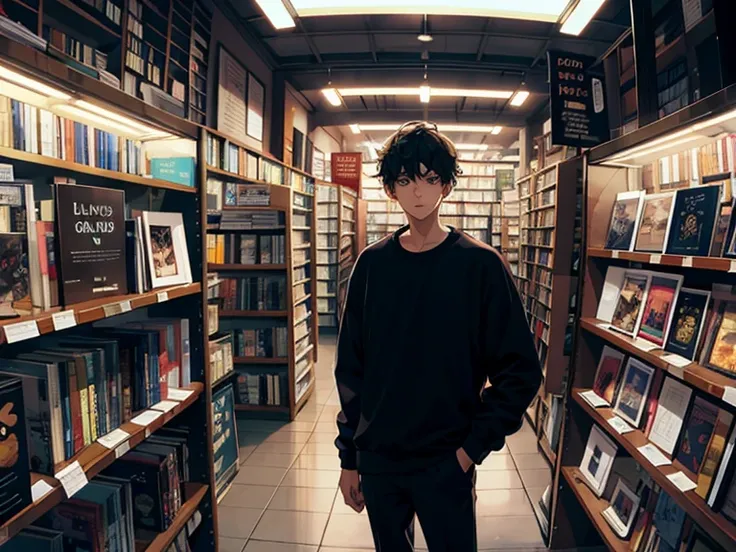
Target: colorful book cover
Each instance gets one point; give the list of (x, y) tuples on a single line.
[(698, 431), (658, 309), (655, 220), (669, 519), (606, 378), (714, 453), (721, 355), (687, 322), (721, 232), (629, 305), (693, 220), (15, 479), (15, 279), (179, 170)]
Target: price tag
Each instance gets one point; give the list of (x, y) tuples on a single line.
[(125, 306), (20, 331), (682, 481), (654, 455), (63, 320), (112, 309), (179, 394), (147, 417), (655, 259), (593, 400), (619, 425), (729, 395), (687, 262), (676, 371), (677, 360), (732, 266), (114, 438), (645, 346), (162, 296), (122, 449), (40, 489), (614, 254), (72, 478), (165, 406)]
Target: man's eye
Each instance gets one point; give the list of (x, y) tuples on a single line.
[(433, 179), (403, 181)]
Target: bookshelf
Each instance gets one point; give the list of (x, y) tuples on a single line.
[(510, 227), (263, 226), (348, 224), (710, 123), (382, 215), (328, 221), (106, 165)]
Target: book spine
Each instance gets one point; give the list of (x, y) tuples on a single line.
[(84, 404), (75, 406), (92, 391)]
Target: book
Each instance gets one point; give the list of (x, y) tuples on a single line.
[(693, 220), (632, 296), (15, 278), (672, 406), (687, 322), (654, 224), (179, 170), (624, 220), (721, 231), (669, 519), (224, 438), (91, 242), (15, 478), (659, 307), (699, 428), (714, 453), (720, 354), (38, 539)]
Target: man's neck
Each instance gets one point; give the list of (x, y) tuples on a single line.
[(424, 234)]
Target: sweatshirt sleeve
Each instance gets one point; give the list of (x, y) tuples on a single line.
[(349, 366), (511, 364)]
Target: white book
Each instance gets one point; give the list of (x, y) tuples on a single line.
[(674, 400), (47, 133), (91, 146)]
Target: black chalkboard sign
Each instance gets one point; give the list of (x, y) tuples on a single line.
[(577, 101)]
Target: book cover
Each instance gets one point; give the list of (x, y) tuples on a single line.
[(721, 353), (693, 220), (607, 375), (721, 232), (655, 221), (687, 322), (91, 242), (179, 170), (627, 315), (15, 479), (15, 278), (659, 308), (82, 524), (698, 430), (714, 453), (623, 221), (669, 519)]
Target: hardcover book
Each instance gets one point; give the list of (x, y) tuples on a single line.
[(634, 392), (659, 308), (91, 242), (721, 232), (15, 478), (687, 322), (693, 220), (721, 354), (655, 222), (698, 431), (714, 453), (15, 279), (672, 406), (627, 315), (606, 377), (624, 219)]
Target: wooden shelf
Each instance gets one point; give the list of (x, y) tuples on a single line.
[(594, 507), (700, 377), (261, 408), (91, 311), (253, 313), (93, 459), (300, 265), (194, 493), (718, 527), (299, 282), (707, 263), (244, 178), (302, 299), (37, 159), (547, 451), (224, 378), (260, 360), (305, 396), (245, 267)]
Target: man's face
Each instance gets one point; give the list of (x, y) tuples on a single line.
[(421, 196)]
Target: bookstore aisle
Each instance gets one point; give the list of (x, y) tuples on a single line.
[(285, 496)]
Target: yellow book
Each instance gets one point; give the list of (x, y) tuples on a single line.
[(713, 453), (221, 249), (211, 248), (84, 403)]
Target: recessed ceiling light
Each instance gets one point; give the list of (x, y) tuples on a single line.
[(276, 13), (497, 130), (332, 96), (519, 98), (425, 38), (580, 16), (355, 128), (424, 94)]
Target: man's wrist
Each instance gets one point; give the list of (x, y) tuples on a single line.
[(465, 461)]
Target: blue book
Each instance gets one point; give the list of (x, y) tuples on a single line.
[(669, 519), (179, 170), (108, 497), (77, 142), (17, 130)]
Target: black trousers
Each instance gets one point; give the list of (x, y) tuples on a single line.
[(442, 499)]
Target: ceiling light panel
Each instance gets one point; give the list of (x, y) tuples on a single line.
[(535, 10), (276, 13), (469, 93), (581, 16), (519, 98), (332, 96), (485, 129)]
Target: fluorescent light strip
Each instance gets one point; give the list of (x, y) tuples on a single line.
[(534, 10), (463, 92), (497, 130), (81, 113), (276, 13), (581, 16), (418, 91), (424, 94), (379, 91), (355, 128), (519, 98), (332, 96), (32, 84), (442, 128), (120, 119)]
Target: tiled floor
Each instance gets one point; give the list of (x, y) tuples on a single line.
[(285, 498)]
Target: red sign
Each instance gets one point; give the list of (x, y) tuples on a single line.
[(347, 169)]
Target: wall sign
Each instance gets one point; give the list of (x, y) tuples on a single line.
[(346, 169), (231, 94), (577, 101)]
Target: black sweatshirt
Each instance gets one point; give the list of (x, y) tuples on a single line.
[(420, 334)]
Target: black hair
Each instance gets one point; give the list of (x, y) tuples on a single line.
[(414, 144)]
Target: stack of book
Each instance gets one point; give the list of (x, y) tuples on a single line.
[(247, 249), (251, 220), (263, 389), (261, 342), (253, 293), (221, 356)]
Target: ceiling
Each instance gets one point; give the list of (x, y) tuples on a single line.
[(467, 52)]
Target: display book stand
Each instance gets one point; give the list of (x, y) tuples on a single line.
[(290, 192), (605, 179), (162, 45), (181, 301), (338, 228)]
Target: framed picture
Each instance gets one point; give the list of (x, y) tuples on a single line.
[(631, 298), (659, 308), (606, 376), (687, 322), (624, 220), (166, 249), (701, 422), (597, 461), (632, 398), (231, 96), (654, 223), (694, 220), (721, 353), (621, 513)]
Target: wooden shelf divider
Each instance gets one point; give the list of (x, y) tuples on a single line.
[(194, 494)]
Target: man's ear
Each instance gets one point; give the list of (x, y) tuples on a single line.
[(446, 189), (388, 191)]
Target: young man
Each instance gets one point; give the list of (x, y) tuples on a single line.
[(431, 314)]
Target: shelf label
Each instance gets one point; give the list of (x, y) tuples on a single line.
[(112, 309), (72, 478), (165, 406), (687, 262), (729, 395), (655, 259), (654, 455), (732, 266), (619, 425), (614, 254), (114, 438), (682, 481), (125, 306), (40, 489), (592, 399), (677, 360), (20, 331), (162, 296), (147, 417), (644, 345), (122, 449), (63, 320), (676, 371), (179, 394)]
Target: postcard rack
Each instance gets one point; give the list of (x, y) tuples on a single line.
[(632, 348), (262, 200), (186, 301)]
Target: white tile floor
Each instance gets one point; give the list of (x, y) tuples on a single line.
[(285, 497)]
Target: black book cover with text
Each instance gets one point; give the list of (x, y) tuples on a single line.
[(693, 220), (91, 242)]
